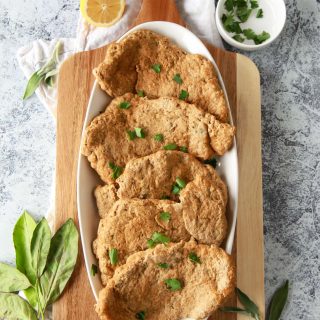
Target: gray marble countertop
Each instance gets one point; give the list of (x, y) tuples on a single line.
[(290, 78)]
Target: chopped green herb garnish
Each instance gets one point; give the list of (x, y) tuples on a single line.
[(249, 34), (173, 284), (165, 197), (194, 258), (131, 134), (212, 162), (181, 183), (94, 270), (140, 315), (170, 146), (178, 186), (163, 265), (125, 105), (229, 4), (157, 238), (177, 78), (183, 95), (238, 38), (254, 4), (243, 13), (230, 24), (158, 137), (156, 67), (141, 93), (259, 13), (184, 149), (175, 189), (140, 133), (116, 171), (165, 216), (113, 256), (262, 37)]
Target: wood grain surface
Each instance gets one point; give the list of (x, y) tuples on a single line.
[(242, 82)]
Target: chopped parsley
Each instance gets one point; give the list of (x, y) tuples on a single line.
[(156, 68), (177, 78), (183, 95), (173, 284), (141, 93), (163, 265), (116, 171), (124, 105), (140, 315), (113, 256), (212, 162), (157, 238), (165, 216), (178, 186), (170, 146), (139, 132), (158, 137), (184, 149), (94, 270), (194, 258), (259, 13), (239, 11), (131, 134)]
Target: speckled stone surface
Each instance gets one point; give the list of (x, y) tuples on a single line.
[(290, 77)]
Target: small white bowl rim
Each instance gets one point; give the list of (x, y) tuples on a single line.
[(246, 46)]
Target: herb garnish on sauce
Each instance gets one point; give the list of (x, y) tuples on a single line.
[(173, 284)]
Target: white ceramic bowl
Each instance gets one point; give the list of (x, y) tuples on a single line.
[(88, 179), (274, 18)]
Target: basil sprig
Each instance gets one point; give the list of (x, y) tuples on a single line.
[(45, 74), (43, 267)]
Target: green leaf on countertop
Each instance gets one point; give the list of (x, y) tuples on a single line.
[(183, 95), (158, 137), (22, 235), (278, 302), (113, 256), (173, 284), (165, 216), (13, 307), (12, 280), (40, 246), (238, 38), (177, 78), (60, 263), (156, 67), (259, 13), (32, 85), (248, 304)]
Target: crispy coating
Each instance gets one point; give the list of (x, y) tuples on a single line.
[(139, 284), (128, 68), (106, 138)]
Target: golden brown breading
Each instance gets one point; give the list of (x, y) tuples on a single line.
[(128, 68), (139, 284), (106, 138)]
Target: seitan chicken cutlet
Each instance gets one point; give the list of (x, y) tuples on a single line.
[(177, 281), (146, 126), (150, 64)]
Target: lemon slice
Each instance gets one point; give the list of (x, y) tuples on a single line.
[(102, 13)]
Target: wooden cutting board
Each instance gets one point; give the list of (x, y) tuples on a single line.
[(242, 81)]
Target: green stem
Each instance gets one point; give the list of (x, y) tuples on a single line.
[(40, 308)]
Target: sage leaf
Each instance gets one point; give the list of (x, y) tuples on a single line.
[(13, 307), (60, 263), (278, 301), (40, 245), (32, 84), (234, 310), (11, 279), (22, 235), (248, 304)]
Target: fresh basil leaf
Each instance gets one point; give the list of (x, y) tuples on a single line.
[(13, 307), (248, 304), (262, 37), (177, 78), (234, 310), (173, 284), (194, 258), (229, 4), (40, 246), (60, 263), (139, 132), (22, 235), (113, 256), (259, 13), (11, 279), (124, 105), (158, 137), (249, 34), (32, 84), (278, 302), (163, 265), (140, 315), (243, 14), (183, 95), (165, 216), (156, 68), (238, 38), (141, 93), (94, 270), (170, 146), (254, 4)]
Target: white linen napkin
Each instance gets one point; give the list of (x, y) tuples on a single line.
[(199, 16)]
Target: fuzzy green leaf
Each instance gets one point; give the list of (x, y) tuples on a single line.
[(12, 280)]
